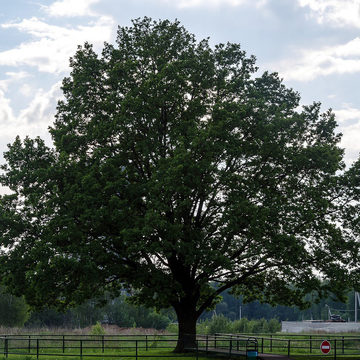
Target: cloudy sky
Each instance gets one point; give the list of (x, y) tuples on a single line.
[(313, 44)]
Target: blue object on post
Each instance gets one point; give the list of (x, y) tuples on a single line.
[(251, 355)]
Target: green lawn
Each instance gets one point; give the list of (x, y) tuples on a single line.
[(117, 356), (96, 354)]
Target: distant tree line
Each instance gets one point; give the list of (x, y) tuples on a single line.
[(14, 312), (234, 309), (116, 312)]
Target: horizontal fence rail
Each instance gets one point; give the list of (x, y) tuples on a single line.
[(306, 345), (104, 346), (162, 346)]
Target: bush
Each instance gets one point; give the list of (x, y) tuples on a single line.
[(239, 326), (246, 326), (274, 326), (219, 324), (173, 328), (202, 327), (259, 326), (158, 321), (97, 329)]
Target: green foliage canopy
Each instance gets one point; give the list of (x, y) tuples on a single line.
[(174, 168)]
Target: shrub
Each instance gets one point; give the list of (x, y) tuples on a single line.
[(97, 329), (239, 326), (173, 328), (249, 327), (274, 326), (219, 324)]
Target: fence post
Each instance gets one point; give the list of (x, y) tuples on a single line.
[(335, 349), (29, 344), (136, 350), (230, 347), (6, 347), (146, 342), (197, 349), (271, 343), (215, 342), (103, 343), (80, 349), (63, 343), (37, 349), (262, 345), (289, 348), (207, 343), (310, 344), (343, 345)]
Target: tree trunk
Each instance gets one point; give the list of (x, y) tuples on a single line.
[(187, 329)]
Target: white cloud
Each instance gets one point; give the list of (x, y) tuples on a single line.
[(216, 3), (26, 90), (19, 75), (52, 46), (7, 117), (41, 110), (11, 78), (6, 112), (70, 8), (32, 121), (309, 64), (335, 12), (349, 124)]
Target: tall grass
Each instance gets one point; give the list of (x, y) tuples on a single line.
[(221, 324)]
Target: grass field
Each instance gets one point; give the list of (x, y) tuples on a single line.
[(53, 345), (77, 347), (110, 355)]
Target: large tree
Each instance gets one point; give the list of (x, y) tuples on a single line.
[(176, 173)]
